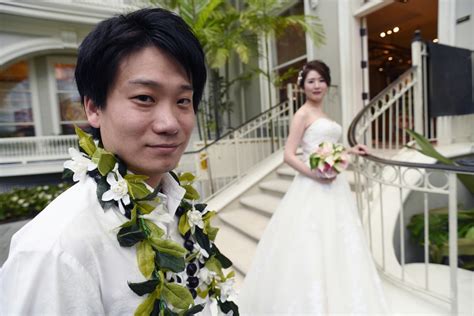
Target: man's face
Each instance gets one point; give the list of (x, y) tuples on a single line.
[(149, 114)]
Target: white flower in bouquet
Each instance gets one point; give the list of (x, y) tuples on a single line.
[(329, 160)]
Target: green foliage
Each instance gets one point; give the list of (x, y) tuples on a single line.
[(27, 202), (225, 32), (177, 295), (426, 148), (439, 234)]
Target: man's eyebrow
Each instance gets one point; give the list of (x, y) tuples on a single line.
[(155, 84)]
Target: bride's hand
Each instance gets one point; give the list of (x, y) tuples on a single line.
[(359, 149), (315, 176)]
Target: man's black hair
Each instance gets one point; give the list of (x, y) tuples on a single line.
[(114, 39)]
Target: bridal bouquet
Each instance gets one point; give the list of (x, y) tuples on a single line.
[(329, 160)]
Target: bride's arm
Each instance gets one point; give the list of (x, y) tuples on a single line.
[(297, 129)]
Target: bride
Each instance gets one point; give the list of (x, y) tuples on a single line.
[(313, 258)]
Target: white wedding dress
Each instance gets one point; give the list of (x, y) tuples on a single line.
[(313, 258)]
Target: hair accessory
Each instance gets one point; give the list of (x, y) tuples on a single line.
[(300, 78)]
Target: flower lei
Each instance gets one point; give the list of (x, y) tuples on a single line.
[(176, 275)]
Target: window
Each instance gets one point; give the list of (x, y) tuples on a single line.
[(69, 102), (16, 114), (290, 52)]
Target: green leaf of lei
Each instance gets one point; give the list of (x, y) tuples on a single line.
[(228, 306), (145, 308), (168, 262), (145, 258), (130, 235), (194, 310), (191, 193), (154, 231), (225, 262), (144, 287), (187, 177), (106, 163), (168, 246), (177, 295), (86, 142), (138, 190), (183, 225)]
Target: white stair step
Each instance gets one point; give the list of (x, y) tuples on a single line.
[(237, 247), (264, 203), (287, 171), (246, 221), (279, 186)]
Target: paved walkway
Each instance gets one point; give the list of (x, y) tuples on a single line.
[(6, 233)]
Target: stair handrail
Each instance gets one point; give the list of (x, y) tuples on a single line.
[(241, 148)]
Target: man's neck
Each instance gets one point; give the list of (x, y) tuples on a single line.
[(155, 180)]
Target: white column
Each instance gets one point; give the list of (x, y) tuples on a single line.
[(418, 88), (446, 35)]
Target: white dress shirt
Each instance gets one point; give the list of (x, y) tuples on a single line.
[(67, 260)]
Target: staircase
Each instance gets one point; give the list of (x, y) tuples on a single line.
[(243, 221)]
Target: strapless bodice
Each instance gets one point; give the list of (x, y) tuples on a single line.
[(320, 130)]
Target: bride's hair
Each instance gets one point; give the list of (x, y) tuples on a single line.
[(317, 65)]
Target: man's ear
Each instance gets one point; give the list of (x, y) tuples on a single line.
[(93, 112)]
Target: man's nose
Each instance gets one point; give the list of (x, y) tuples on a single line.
[(166, 119)]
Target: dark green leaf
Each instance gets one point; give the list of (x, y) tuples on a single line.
[(225, 262), (156, 308), (143, 287), (102, 187), (169, 312), (168, 262), (130, 235), (67, 174), (194, 310), (200, 207), (202, 239), (228, 306)]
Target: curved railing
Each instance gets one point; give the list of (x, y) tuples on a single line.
[(392, 175)]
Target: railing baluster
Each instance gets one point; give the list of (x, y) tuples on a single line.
[(398, 170), (453, 241), (426, 236), (382, 225)]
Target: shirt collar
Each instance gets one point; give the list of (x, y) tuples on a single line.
[(173, 191)]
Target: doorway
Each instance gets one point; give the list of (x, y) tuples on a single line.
[(390, 32)]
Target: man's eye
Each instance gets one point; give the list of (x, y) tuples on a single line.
[(184, 102), (144, 98)]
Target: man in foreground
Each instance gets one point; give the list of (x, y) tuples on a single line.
[(125, 239)]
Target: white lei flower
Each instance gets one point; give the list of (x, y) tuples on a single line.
[(79, 165), (227, 289), (118, 190), (195, 219), (202, 253), (206, 276)]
